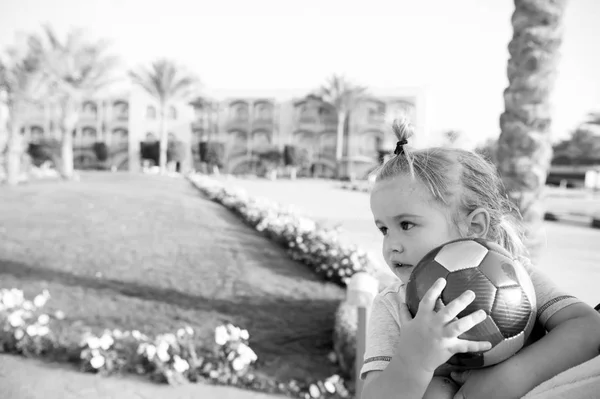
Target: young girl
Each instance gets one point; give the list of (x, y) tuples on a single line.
[(420, 200)]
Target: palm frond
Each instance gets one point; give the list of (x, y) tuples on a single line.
[(341, 93), (166, 81)]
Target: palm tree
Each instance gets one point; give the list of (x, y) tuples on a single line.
[(524, 148), (166, 82), (343, 96), (22, 85), (76, 68)]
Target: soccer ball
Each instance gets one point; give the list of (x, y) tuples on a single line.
[(502, 288)]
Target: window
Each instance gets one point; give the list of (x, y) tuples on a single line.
[(150, 112), (90, 110), (172, 113), (121, 110)]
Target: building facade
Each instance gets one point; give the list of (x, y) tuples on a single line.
[(246, 125)]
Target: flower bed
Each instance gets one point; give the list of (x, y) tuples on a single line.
[(317, 247), (167, 358)]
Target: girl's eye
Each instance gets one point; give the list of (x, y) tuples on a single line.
[(383, 230), (406, 225)]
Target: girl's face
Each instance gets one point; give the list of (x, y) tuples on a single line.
[(411, 222)]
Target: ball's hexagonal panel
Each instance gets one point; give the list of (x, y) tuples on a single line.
[(499, 269), (474, 280), (504, 350), (421, 279), (511, 311), (461, 255), (487, 330)]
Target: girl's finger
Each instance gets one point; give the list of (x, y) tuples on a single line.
[(432, 295), (439, 305), (464, 346), (460, 326), (459, 304)]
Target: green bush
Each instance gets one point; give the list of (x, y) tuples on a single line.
[(101, 151), (291, 156), (215, 154), (176, 151), (150, 150), (44, 150)]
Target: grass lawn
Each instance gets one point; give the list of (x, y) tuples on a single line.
[(149, 253)]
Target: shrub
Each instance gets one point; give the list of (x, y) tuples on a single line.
[(215, 154), (45, 150), (101, 151), (176, 151)]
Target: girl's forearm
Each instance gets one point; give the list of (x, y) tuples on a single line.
[(398, 380), (568, 345)]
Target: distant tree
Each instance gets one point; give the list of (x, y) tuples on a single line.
[(167, 82), (343, 96), (75, 67)]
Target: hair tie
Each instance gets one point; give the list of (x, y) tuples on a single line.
[(400, 147)]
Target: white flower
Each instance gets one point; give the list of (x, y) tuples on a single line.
[(27, 305), (43, 319), (246, 353), (19, 334), (59, 315), (244, 335), (141, 348), (150, 351), (314, 391), (136, 334), (234, 332), (162, 352), (15, 319), (40, 300), (117, 333), (179, 364), (238, 364), (221, 335), (189, 330), (93, 342), (97, 362), (106, 341), (43, 330), (31, 330), (12, 298), (180, 333), (170, 338)]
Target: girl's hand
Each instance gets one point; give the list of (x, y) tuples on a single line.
[(431, 338)]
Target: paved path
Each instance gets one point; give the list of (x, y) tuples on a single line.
[(22, 378)]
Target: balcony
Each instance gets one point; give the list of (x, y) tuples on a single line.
[(237, 124)]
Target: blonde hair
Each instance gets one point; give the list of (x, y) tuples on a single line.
[(460, 177)]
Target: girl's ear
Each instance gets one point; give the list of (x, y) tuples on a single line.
[(478, 223)]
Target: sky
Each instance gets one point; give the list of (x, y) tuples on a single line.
[(455, 51)]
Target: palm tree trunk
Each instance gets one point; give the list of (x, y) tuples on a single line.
[(340, 141), (66, 151), (524, 149), (162, 157), (14, 151)]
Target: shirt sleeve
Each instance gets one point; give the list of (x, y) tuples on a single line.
[(383, 333), (549, 297)]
